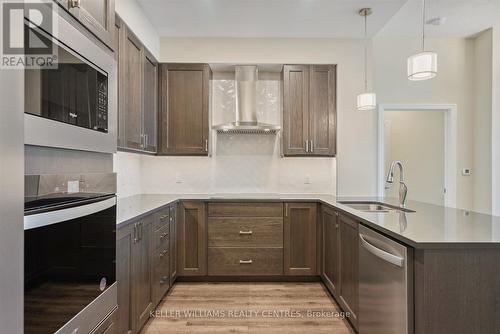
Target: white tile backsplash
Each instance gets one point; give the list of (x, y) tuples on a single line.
[(239, 163)]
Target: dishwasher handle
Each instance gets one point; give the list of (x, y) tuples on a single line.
[(386, 256)]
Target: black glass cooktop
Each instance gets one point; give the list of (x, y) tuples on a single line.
[(37, 203)]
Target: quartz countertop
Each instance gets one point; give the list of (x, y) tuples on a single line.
[(430, 226)]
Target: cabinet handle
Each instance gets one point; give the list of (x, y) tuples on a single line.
[(246, 261), (307, 146), (246, 232), (146, 141), (162, 254), (162, 218), (312, 147), (74, 3), (162, 281), (135, 233), (206, 145), (140, 231), (163, 235), (286, 210)]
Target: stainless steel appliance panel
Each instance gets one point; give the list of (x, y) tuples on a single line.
[(385, 285)]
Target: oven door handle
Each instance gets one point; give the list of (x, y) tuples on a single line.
[(57, 216)]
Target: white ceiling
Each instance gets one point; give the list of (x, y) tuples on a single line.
[(267, 18), (464, 18), (316, 18)]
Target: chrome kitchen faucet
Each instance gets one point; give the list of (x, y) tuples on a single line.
[(403, 189)]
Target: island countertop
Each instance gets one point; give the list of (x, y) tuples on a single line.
[(430, 226)]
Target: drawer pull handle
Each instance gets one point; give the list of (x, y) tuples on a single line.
[(246, 261), (163, 253), (246, 232), (163, 235), (162, 218), (162, 282)]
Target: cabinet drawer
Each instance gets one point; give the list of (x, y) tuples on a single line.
[(245, 210), (228, 261), (245, 232), (161, 238), (161, 218), (161, 275)]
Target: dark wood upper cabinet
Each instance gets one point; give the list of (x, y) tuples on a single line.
[(295, 109), (300, 239), (137, 93), (330, 270), (191, 239), (349, 263), (98, 16), (131, 93), (150, 103), (184, 108), (309, 110)]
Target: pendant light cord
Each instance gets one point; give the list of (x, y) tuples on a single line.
[(366, 57), (423, 25)]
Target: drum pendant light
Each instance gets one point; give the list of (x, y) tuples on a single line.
[(423, 65), (366, 101)]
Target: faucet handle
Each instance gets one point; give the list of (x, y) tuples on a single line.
[(403, 191)]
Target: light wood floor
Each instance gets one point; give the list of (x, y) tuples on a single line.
[(272, 308)]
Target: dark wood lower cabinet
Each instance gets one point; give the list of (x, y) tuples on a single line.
[(330, 271), (192, 239), (349, 262), (173, 243), (124, 245)]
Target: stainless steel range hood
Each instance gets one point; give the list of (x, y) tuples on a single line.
[(246, 77)]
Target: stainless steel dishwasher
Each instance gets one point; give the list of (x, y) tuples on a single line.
[(385, 285)]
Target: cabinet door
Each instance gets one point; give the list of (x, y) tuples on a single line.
[(330, 249), (192, 240), (142, 259), (300, 239), (322, 110), (349, 262), (124, 246), (131, 94), (173, 243), (150, 104), (184, 103), (119, 44), (98, 16), (295, 109)]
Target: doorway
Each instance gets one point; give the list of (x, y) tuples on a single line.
[(423, 138)]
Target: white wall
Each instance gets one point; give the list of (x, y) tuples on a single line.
[(457, 83), (356, 131), (481, 126), (128, 167), (133, 15)]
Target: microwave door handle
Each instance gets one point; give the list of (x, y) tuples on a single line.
[(386, 256), (57, 216)]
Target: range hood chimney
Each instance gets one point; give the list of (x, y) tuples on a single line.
[(246, 77)]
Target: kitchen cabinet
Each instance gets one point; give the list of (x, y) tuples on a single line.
[(245, 239), (191, 239), (349, 262), (309, 110), (134, 271), (161, 254), (300, 239), (98, 16), (137, 93), (330, 271), (184, 108)]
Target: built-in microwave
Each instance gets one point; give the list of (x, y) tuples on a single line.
[(72, 104)]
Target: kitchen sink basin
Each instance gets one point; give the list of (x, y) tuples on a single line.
[(367, 206)]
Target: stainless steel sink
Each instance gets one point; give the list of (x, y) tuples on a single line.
[(367, 206)]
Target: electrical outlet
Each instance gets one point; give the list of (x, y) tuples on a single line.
[(466, 172), (73, 186), (307, 179)]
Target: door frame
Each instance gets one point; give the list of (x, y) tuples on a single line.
[(450, 143)]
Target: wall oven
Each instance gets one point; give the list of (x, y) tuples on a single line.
[(72, 104), (70, 252)]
